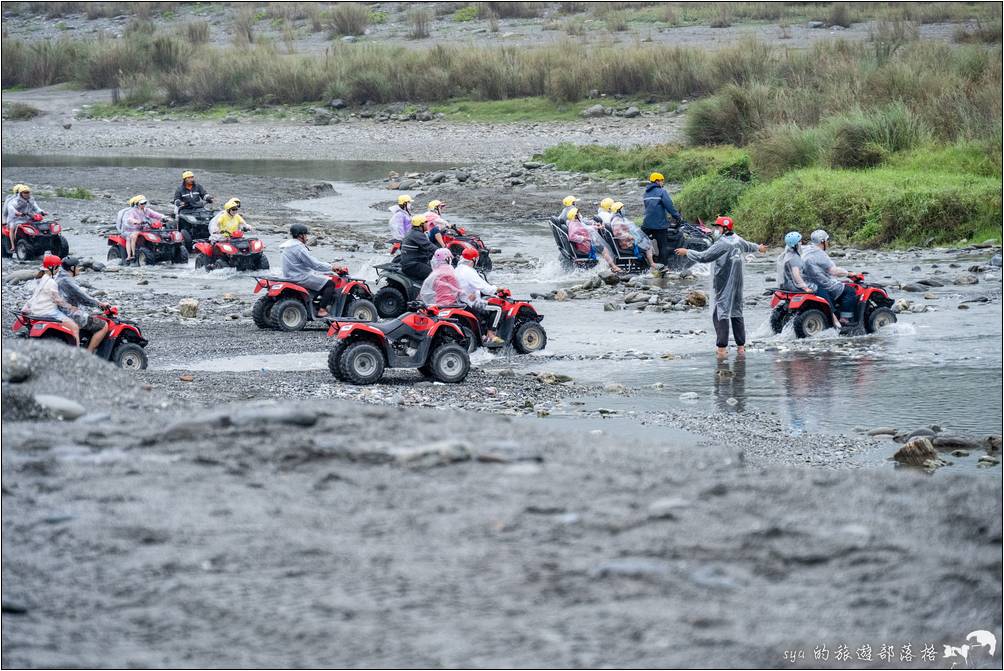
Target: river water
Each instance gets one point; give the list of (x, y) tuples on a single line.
[(941, 367)]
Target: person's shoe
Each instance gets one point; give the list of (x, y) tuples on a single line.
[(322, 313), (494, 341)]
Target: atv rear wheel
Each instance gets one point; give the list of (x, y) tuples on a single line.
[(334, 360), (529, 337), (144, 257), (360, 308), (289, 314), (202, 261), (60, 247), (261, 313), (5, 250), (181, 255), (880, 318), (472, 340), (24, 250), (129, 356), (449, 363), (361, 363), (262, 263), (778, 318), (115, 254), (389, 302), (811, 322)]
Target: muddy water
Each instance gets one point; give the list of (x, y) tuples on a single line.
[(941, 367)]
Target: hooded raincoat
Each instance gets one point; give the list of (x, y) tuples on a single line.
[(400, 222), (18, 210), (727, 253), (441, 287), (300, 266), (817, 269), (786, 263)]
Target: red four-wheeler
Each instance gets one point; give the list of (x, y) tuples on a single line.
[(519, 325), (288, 306), (419, 339), (155, 244), (811, 314), (238, 251), (457, 240), (123, 345), (34, 238)]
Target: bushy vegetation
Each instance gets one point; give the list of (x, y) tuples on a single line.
[(710, 195), (77, 192), (348, 18), (20, 112), (677, 163)]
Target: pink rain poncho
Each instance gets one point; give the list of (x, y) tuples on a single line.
[(441, 287)]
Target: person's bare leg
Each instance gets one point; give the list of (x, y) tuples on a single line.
[(610, 261), (72, 327), (96, 339), (722, 352)]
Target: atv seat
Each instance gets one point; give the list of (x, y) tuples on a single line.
[(33, 318)]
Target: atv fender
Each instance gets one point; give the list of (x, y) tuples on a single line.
[(277, 289), (875, 295), (451, 330), (807, 301), (51, 330), (126, 332), (356, 288), (347, 331), (204, 247), (116, 241)]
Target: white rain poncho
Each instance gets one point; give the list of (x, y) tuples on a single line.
[(441, 287), (14, 204), (623, 229), (399, 223), (472, 285), (300, 266), (727, 253), (786, 263), (817, 265)]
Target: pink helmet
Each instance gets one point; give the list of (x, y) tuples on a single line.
[(441, 257), (431, 219)]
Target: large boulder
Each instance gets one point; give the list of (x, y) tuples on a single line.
[(188, 308), (917, 452), (594, 111)]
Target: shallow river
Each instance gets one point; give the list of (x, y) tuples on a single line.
[(941, 367)]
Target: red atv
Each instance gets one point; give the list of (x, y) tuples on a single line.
[(419, 339), (519, 325), (123, 345), (34, 238), (811, 314), (288, 306), (237, 251), (155, 244), (457, 240)]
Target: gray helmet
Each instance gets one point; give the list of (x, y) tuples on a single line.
[(70, 262), (819, 235), (296, 230)]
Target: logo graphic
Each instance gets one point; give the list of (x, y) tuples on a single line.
[(978, 639)]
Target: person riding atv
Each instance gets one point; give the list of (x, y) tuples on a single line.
[(19, 208), (227, 221), (300, 266), (659, 211), (47, 302), (131, 221), (191, 211), (822, 271), (587, 240), (89, 324), (629, 238), (473, 289), (400, 218), (190, 194), (417, 250)]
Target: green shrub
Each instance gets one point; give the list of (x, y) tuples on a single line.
[(678, 164), (783, 148), (348, 18), (882, 206), (419, 19), (196, 32), (510, 10), (709, 196), (465, 13), (20, 112), (733, 116), (840, 15), (78, 192)]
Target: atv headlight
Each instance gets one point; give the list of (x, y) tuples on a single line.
[(229, 249), (256, 245)]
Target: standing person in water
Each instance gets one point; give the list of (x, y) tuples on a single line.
[(727, 253)]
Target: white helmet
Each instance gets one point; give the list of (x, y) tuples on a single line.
[(819, 235)]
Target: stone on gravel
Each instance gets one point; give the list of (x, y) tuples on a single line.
[(337, 104), (986, 461), (433, 454), (16, 367), (993, 443), (615, 388), (914, 287), (561, 295), (188, 308), (631, 112), (696, 298), (966, 279), (608, 277), (594, 111), (883, 431), (689, 396), (19, 276), (609, 307), (60, 407), (230, 119), (953, 442), (631, 567), (917, 452)]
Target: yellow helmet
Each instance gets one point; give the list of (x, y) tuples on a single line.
[(572, 214), (617, 207), (404, 199), (569, 200), (188, 174), (18, 188), (656, 176), (418, 220), (433, 204), (606, 204), (137, 200), (232, 203)]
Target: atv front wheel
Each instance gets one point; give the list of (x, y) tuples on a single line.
[(334, 360), (777, 320), (389, 302), (880, 318), (262, 263), (530, 337), (115, 254), (187, 239), (181, 255), (449, 363), (261, 313), (812, 322), (202, 262), (24, 251), (129, 356), (144, 257), (5, 247), (60, 247), (472, 340), (289, 314), (361, 363), (362, 309)]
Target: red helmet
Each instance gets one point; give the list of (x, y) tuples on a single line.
[(471, 254), (725, 222), (237, 234), (51, 261), (36, 217)]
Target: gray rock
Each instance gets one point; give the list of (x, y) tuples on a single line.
[(883, 431), (955, 442), (350, 39), (230, 119), (966, 279), (188, 308), (19, 276), (59, 407), (561, 295), (914, 287), (815, 24), (532, 165), (987, 460), (996, 260), (16, 367), (424, 115), (917, 452), (463, 176), (632, 112), (437, 178), (615, 388), (930, 282), (594, 111), (609, 307), (337, 103), (409, 184)]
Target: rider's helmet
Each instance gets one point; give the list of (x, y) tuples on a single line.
[(418, 221), (70, 262), (606, 204), (232, 204), (441, 257), (431, 218), (296, 230), (20, 188), (137, 200), (51, 262), (188, 174), (573, 213), (470, 254), (617, 207), (568, 201), (819, 235), (404, 199), (726, 223), (793, 239), (436, 204), (656, 177)]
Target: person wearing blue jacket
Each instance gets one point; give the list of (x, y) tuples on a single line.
[(658, 209)]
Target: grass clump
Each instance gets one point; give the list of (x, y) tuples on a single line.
[(20, 112), (710, 195), (465, 13), (77, 192), (348, 18), (881, 206), (420, 20), (677, 163), (196, 32), (979, 33)]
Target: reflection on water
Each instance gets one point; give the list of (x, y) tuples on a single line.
[(730, 384)]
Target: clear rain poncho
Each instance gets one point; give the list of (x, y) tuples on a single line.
[(786, 263), (627, 233), (727, 253), (441, 287)]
